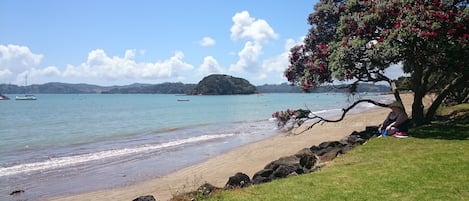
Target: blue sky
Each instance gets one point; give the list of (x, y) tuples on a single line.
[(148, 41)]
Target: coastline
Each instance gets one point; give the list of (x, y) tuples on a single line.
[(248, 159)]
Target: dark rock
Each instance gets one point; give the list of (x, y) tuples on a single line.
[(354, 140), (283, 161), (238, 180), (308, 161), (307, 158), (303, 152), (330, 153), (329, 144), (145, 198), (262, 176), (284, 170), (206, 189)]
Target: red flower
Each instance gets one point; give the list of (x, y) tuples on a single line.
[(464, 37), (398, 24), (429, 34), (452, 31), (345, 43)]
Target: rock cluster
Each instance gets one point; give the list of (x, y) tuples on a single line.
[(304, 161)]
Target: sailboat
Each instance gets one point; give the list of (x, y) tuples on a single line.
[(26, 96)]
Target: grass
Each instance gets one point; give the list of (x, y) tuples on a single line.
[(432, 164)]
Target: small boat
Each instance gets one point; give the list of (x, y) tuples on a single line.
[(3, 97), (26, 96), (183, 99)]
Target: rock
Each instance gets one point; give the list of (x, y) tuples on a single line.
[(262, 176), (286, 160), (307, 159), (238, 180), (206, 189), (284, 170), (145, 198), (330, 153)]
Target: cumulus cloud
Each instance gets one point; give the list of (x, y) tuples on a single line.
[(5, 73), (207, 41), (100, 65), (16, 59), (257, 32), (279, 62), (246, 27), (209, 66), (248, 58)]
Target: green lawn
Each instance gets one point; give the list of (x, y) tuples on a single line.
[(432, 164)]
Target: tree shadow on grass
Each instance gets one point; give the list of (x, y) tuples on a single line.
[(451, 129)]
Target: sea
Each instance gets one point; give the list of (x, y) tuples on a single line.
[(63, 144)]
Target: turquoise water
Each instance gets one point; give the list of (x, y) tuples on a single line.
[(85, 139)]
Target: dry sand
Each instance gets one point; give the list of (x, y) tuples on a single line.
[(247, 159)]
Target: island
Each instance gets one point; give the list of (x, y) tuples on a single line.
[(221, 84)]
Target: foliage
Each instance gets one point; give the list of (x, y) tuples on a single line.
[(217, 84), (298, 116), (403, 83), (358, 40)]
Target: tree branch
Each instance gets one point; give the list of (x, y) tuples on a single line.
[(344, 112)]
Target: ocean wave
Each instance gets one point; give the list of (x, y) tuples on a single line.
[(53, 163)]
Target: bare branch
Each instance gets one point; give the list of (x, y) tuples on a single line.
[(344, 112)]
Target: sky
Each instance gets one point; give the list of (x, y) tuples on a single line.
[(149, 41)]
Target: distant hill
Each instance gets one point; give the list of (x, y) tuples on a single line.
[(219, 84), (170, 88), (164, 88), (288, 88)]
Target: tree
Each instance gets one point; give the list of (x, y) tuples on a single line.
[(358, 40)]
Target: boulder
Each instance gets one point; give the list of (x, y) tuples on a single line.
[(262, 176), (238, 180), (206, 189), (145, 198)]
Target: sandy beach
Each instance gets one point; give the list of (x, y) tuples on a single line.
[(247, 159)]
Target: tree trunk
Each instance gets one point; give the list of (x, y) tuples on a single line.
[(443, 94), (394, 90), (419, 93)]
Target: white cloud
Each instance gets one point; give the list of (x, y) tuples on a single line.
[(16, 59), (207, 41), (248, 58), (99, 65), (5, 73), (210, 66), (246, 27), (279, 62), (257, 32), (276, 65)]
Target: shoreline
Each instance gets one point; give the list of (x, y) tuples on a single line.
[(248, 159)]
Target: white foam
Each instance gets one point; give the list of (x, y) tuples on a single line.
[(59, 162)]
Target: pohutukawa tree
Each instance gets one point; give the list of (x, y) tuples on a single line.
[(358, 40)]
